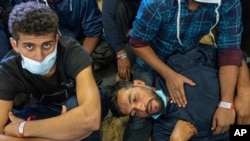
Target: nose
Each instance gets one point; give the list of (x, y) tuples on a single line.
[(141, 107), (39, 55)]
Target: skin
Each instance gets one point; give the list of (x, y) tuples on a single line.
[(138, 101), (141, 102), (78, 123), (175, 83)]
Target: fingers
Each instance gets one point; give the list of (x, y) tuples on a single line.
[(11, 116), (178, 97), (218, 129), (64, 109)]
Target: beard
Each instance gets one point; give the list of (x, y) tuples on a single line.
[(160, 102)]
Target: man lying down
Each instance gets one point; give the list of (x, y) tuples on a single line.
[(193, 122)]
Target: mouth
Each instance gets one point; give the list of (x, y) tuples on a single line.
[(150, 107)]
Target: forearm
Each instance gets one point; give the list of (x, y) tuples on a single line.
[(90, 43), (228, 77), (243, 80), (72, 125), (9, 138)]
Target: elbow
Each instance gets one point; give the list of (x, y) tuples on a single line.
[(95, 123), (92, 123)]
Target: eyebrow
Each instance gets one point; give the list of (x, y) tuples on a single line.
[(28, 43), (129, 98)]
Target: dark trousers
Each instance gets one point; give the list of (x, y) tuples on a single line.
[(199, 65)]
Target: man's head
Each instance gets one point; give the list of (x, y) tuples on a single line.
[(32, 18), (34, 35), (136, 99)]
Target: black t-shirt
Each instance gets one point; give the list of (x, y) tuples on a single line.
[(71, 59)]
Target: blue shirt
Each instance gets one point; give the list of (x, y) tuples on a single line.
[(156, 23)]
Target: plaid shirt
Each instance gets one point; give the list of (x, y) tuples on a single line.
[(156, 23)]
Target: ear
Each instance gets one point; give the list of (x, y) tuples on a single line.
[(138, 82), (13, 43)]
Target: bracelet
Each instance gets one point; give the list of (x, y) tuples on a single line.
[(226, 105), (20, 129), (122, 56)]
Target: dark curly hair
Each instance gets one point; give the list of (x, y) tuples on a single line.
[(32, 18), (111, 96)]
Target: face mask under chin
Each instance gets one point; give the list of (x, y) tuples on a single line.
[(39, 68)]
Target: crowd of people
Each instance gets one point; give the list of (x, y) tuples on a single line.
[(172, 86)]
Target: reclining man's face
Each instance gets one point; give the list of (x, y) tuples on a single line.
[(139, 101)]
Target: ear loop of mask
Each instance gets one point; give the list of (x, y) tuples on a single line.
[(210, 31)]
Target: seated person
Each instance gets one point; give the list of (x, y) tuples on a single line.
[(5, 8), (194, 121), (53, 70)]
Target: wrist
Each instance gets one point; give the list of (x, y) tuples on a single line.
[(226, 105), (122, 56), (21, 129)]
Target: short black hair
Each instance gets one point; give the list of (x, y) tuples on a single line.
[(111, 96), (32, 18)]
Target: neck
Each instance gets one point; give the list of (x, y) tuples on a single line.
[(192, 5)]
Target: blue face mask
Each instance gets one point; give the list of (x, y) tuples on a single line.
[(42, 67), (163, 97)]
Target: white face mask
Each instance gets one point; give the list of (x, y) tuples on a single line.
[(208, 1), (42, 67)]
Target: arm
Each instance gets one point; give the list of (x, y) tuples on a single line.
[(6, 107), (174, 81), (91, 24), (242, 99), (109, 20), (90, 43), (75, 124), (224, 117)]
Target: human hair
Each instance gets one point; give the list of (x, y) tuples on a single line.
[(32, 18), (111, 96)]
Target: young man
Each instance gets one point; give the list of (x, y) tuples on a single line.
[(171, 121), (165, 27), (53, 70), (118, 16)]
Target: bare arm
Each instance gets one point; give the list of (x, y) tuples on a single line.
[(75, 124), (6, 107), (174, 81), (242, 99), (224, 117), (90, 43)]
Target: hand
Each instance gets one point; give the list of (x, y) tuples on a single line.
[(12, 128), (175, 84), (242, 104), (222, 120), (64, 109), (123, 68)]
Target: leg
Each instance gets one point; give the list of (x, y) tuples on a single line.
[(183, 131)]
